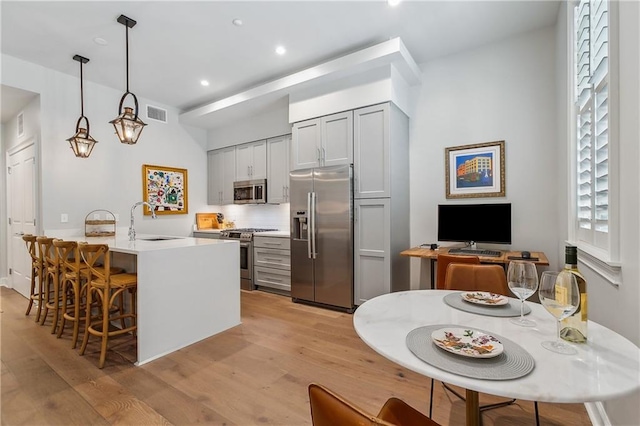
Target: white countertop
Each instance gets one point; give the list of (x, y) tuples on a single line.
[(279, 234), (142, 242), (209, 231)]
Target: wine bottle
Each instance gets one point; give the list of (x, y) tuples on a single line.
[(574, 328)]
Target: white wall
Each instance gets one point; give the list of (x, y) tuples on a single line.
[(611, 306), (504, 91), (112, 177), (270, 123)]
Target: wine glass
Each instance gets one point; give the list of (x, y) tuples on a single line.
[(560, 295), (523, 282)]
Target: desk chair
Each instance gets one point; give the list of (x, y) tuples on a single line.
[(443, 262), (330, 409)]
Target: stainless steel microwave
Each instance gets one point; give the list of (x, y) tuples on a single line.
[(250, 192)]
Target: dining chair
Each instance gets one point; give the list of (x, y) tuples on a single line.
[(330, 409), (443, 262), (469, 277), (477, 278)]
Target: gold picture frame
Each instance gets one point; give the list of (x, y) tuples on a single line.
[(166, 187), (475, 171)]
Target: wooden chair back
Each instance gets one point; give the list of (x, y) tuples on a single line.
[(477, 278), (30, 241), (96, 255), (67, 254), (45, 251), (443, 262)]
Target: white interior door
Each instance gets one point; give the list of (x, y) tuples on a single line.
[(21, 192)]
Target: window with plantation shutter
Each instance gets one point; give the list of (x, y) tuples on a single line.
[(591, 91)]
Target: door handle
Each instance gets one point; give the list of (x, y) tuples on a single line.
[(318, 155), (19, 234), (324, 156)]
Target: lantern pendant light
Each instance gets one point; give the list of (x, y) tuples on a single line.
[(82, 143), (128, 125)]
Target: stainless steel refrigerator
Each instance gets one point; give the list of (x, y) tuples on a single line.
[(321, 201)]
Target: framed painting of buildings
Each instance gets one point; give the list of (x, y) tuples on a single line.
[(166, 188), (474, 171)]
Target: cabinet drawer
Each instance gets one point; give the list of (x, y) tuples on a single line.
[(272, 258), (274, 278), (272, 242)]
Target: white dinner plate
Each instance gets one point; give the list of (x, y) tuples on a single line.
[(485, 298), (467, 342)]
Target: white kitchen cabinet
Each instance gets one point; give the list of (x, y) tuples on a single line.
[(221, 169), (371, 152), (272, 263), (278, 165), (372, 249), (306, 140), (323, 141), (251, 161), (381, 193)]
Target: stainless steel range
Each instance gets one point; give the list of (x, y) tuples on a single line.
[(245, 236)]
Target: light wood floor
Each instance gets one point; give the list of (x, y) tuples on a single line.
[(254, 374)]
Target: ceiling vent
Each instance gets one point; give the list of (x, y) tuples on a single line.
[(156, 114)]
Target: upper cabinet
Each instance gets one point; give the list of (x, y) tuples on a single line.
[(324, 141), (221, 175), (372, 153), (278, 166), (251, 161)]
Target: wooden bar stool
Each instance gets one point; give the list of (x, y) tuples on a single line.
[(107, 290), (73, 286), (35, 294), (74, 275), (51, 280)]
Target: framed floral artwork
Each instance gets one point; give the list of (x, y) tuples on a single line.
[(166, 188), (474, 171)]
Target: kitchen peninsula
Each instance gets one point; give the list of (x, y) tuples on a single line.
[(188, 288)]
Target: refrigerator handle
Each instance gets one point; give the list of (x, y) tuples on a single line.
[(312, 212), (310, 236)]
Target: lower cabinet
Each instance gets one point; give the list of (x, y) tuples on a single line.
[(378, 267), (272, 263)]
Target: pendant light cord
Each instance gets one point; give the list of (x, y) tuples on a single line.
[(81, 92), (127, 49)]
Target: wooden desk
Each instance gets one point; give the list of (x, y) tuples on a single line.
[(503, 259)]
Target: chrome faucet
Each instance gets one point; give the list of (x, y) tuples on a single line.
[(132, 231)]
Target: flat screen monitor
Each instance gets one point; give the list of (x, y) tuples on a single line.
[(482, 223)]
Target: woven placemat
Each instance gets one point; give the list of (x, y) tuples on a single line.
[(511, 309), (514, 362)]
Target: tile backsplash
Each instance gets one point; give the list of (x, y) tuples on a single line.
[(257, 215)]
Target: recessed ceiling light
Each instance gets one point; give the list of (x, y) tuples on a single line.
[(237, 22), (280, 50), (100, 41), (393, 3), (204, 82)]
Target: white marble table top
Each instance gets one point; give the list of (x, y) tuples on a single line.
[(606, 368)]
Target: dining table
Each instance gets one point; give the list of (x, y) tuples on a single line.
[(604, 368)]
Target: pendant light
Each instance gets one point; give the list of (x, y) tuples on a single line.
[(128, 125), (82, 143)]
